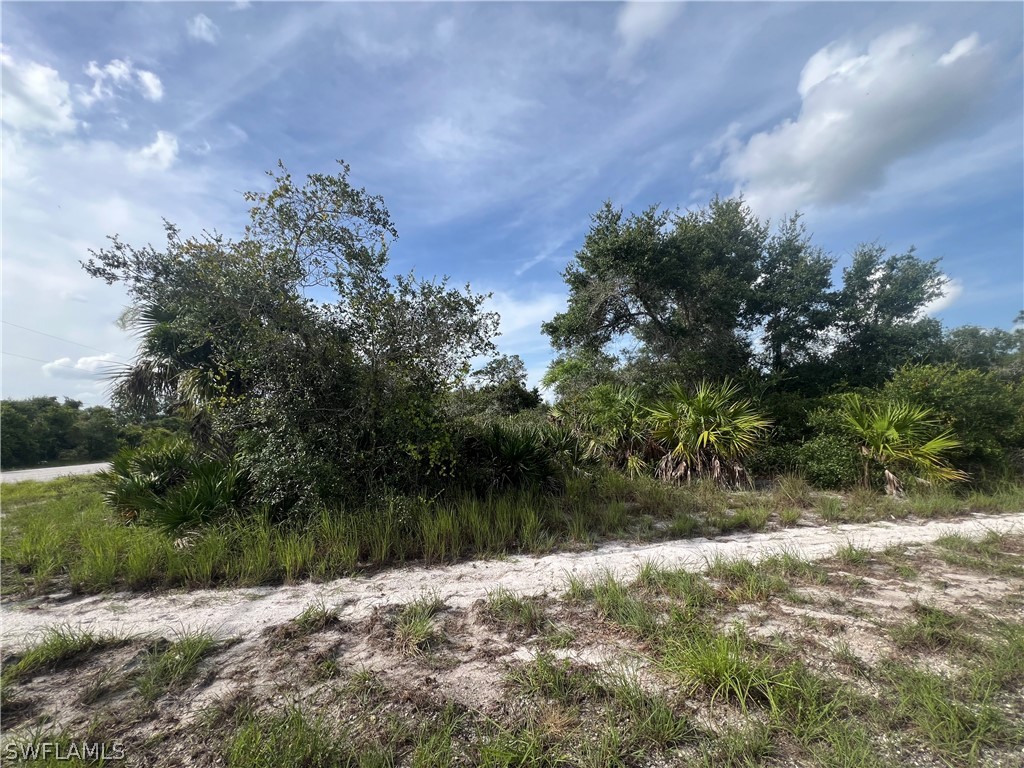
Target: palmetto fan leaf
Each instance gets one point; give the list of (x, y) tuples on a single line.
[(901, 435), (707, 432)]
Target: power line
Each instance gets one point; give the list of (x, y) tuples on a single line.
[(58, 338)]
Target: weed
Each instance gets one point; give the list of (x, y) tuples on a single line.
[(615, 602), (290, 738), (58, 645), (747, 582), (794, 491), (414, 629), (933, 629), (654, 720), (515, 611), (555, 679), (740, 748), (830, 508), (928, 701), (790, 516), (167, 665), (316, 617), (852, 556)]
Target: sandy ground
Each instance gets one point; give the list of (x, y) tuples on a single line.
[(244, 613), (52, 473)]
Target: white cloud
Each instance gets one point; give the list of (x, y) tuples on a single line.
[(160, 155), (35, 98), (90, 367), (639, 23), (952, 289), (119, 74), (202, 28), (861, 112), (150, 85)]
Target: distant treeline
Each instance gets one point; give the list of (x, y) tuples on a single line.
[(41, 430)]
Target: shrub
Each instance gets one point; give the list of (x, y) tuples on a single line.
[(172, 486), (707, 433), (985, 412)]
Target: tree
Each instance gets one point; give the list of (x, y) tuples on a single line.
[(679, 287), (987, 349), (880, 322), (793, 299), (500, 390), (984, 411), (321, 374)]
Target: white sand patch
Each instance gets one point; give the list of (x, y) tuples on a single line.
[(247, 612)]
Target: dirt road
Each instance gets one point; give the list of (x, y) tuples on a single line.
[(51, 473), (246, 612)]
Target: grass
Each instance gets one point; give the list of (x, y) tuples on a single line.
[(287, 738), (515, 612), (995, 554), (654, 721), (555, 679), (415, 631), (852, 556), (933, 629), (169, 665), (956, 728), (746, 581), (316, 617), (615, 601), (59, 645), (60, 535), (777, 699)]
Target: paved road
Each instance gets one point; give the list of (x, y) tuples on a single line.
[(51, 473)]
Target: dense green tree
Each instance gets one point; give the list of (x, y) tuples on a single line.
[(319, 372), (678, 286), (879, 323), (970, 346), (498, 389), (984, 411), (793, 299), (42, 429)]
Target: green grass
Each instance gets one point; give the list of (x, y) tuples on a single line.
[(58, 646), (615, 601), (746, 747), (513, 611), (316, 617), (60, 535), (288, 738), (996, 554), (958, 728), (415, 631), (556, 679), (170, 665), (654, 721), (746, 581), (933, 629)]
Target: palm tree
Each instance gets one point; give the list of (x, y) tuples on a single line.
[(171, 371), (612, 422), (900, 435), (707, 432)]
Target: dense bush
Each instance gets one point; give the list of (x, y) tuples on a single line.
[(831, 458), (984, 410), (173, 486), (41, 429)]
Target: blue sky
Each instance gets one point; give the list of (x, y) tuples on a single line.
[(493, 131)]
